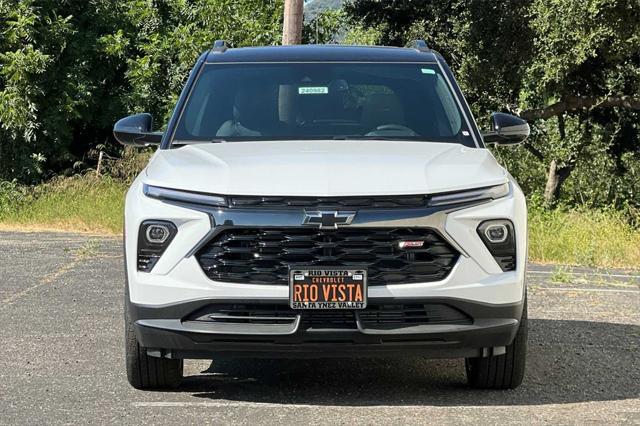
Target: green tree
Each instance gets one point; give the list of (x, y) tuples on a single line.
[(69, 69), (570, 67), (161, 41), (333, 26), (584, 80), (326, 27)]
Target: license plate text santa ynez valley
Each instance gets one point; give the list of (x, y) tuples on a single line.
[(328, 289)]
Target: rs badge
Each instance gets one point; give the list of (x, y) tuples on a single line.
[(410, 244)]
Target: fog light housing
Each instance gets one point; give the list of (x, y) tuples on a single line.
[(499, 237), (496, 233), (154, 237), (157, 234)]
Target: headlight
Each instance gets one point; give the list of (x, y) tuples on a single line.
[(154, 236), (168, 194), (500, 238), (487, 193)]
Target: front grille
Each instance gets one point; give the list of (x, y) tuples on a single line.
[(375, 316), (383, 316), (264, 256), (338, 319), (238, 313), (241, 201)]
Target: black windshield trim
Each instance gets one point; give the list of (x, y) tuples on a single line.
[(314, 138), (346, 61)]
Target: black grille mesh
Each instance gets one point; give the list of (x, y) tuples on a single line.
[(264, 256), (384, 316)]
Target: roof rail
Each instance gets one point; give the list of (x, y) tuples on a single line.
[(219, 46), (420, 45)]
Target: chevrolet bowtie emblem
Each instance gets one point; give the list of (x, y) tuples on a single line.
[(328, 219)]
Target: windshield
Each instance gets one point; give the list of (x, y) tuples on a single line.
[(258, 101)]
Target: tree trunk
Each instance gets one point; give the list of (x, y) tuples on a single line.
[(576, 103), (292, 29), (555, 178)]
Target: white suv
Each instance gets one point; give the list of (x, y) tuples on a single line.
[(317, 201)]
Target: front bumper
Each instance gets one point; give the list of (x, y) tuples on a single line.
[(178, 277), (162, 301), (167, 331)]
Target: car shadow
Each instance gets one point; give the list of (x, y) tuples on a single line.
[(568, 361)]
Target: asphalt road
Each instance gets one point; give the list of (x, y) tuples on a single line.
[(61, 357)]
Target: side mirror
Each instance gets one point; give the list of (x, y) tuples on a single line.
[(506, 129), (136, 130)]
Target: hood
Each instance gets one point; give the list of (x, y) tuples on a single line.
[(324, 168)]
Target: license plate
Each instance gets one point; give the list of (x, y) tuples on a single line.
[(327, 288)]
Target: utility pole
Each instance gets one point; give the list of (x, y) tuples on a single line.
[(291, 34), (292, 29)]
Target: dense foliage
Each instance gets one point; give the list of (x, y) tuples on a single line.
[(570, 67), (69, 69), (313, 8)]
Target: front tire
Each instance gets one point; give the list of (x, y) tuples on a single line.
[(502, 371), (144, 371)]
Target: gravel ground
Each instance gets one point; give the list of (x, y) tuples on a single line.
[(61, 358)]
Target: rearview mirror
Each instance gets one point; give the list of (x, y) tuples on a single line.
[(506, 129), (136, 130)]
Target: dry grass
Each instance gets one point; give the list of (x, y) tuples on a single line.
[(85, 203), (76, 228), (599, 238)]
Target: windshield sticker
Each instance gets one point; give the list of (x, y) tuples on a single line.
[(313, 90), (428, 71)]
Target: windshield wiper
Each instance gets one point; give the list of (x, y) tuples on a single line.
[(195, 142), (361, 137)]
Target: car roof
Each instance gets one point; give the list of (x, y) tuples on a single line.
[(320, 53)]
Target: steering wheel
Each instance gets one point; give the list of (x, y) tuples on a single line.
[(394, 127), (392, 130)]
